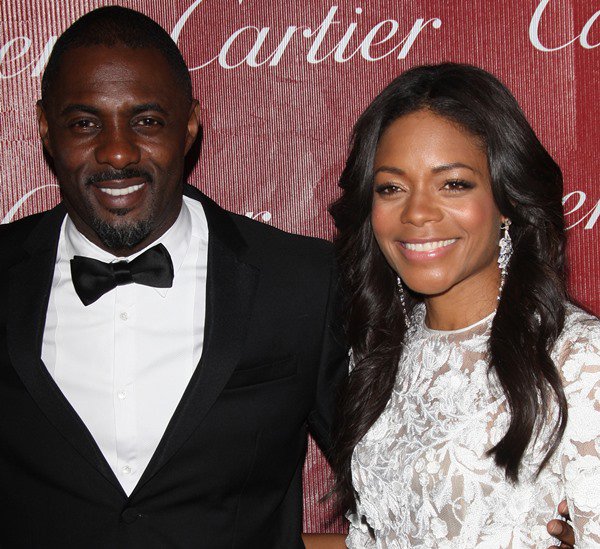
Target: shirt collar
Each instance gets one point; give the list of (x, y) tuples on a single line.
[(176, 239)]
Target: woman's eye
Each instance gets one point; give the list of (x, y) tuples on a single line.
[(456, 185), (387, 188)]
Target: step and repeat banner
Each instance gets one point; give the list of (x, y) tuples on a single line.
[(281, 83)]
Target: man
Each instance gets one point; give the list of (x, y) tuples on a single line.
[(160, 358)]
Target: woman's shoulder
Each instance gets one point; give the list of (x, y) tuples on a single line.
[(580, 326), (575, 314), (577, 350)]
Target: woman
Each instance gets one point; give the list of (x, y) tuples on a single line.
[(473, 404)]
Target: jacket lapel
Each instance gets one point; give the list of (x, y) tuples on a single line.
[(231, 284), (30, 282)]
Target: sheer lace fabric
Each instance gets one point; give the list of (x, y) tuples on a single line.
[(422, 473)]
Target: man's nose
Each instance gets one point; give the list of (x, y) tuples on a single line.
[(117, 147), (420, 208)]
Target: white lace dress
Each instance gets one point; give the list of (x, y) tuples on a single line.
[(422, 473)]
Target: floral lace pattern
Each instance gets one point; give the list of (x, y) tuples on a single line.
[(422, 473)]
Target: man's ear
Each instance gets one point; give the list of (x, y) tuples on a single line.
[(43, 126), (193, 125)]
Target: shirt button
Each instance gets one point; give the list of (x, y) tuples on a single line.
[(123, 316), (129, 516), (121, 395), (126, 470)]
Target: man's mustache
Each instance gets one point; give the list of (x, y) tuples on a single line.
[(112, 175)]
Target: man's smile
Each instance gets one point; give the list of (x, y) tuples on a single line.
[(121, 192)]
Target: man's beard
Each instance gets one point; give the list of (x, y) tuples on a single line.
[(122, 237), (127, 235)]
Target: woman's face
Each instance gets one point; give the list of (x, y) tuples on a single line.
[(433, 212)]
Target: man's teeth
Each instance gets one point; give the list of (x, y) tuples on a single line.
[(428, 246), (121, 192)]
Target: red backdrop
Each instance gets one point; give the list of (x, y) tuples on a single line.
[(281, 82)]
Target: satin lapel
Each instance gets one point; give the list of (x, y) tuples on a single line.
[(231, 285), (29, 289)]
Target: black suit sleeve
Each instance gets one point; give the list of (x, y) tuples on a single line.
[(333, 369)]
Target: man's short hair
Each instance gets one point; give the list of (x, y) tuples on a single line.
[(117, 26)]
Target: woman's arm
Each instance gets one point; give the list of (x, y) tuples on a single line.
[(580, 459), (324, 541)]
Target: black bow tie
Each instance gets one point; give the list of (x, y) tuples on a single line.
[(93, 278)]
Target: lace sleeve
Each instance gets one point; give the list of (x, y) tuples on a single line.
[(580, 454), (358, 534)]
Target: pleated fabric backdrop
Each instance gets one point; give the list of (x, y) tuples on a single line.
[(281, 83)]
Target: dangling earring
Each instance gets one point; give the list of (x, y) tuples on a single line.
[(506, 250), (402, 301)]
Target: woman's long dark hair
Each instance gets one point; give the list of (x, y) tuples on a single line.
[(527, 188)]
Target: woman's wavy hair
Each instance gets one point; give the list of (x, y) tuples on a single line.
[(527, 188)]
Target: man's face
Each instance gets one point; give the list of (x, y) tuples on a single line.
[(118, 127)]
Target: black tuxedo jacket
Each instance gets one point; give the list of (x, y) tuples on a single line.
[(227, 471)]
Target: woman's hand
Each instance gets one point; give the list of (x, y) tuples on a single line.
[(561, 529)]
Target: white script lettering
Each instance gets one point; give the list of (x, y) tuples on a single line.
[(591, 217), (20, 55), (575, 201), (14, 52), (17, 205), (264, 216), (256, 56), (534, 27)]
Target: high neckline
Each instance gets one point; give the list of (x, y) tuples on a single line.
[(433, 331)]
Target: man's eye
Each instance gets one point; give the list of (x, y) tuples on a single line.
[(83, 124), (147, 121)]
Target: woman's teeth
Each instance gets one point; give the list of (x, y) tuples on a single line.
[(428, 246)]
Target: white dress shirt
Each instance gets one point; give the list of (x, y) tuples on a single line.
[(124, 361)]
